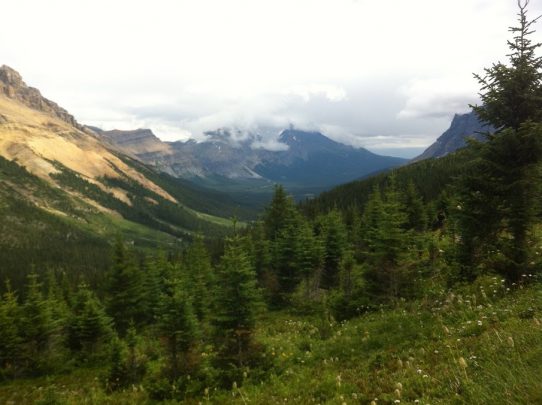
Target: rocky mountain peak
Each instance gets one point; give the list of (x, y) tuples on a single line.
[(13, 86), (463, 126)]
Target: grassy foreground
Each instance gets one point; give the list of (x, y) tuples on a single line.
[(481, 344)]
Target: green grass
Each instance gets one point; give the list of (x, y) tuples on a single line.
[(480, 344)]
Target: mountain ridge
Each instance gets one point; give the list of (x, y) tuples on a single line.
[(462, 127), (223, 154)]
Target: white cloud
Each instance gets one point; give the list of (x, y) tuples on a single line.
[(357, 69), (437, 97)]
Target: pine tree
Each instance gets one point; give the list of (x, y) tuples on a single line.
[(125, 290), (279, 213), (335, 245), (197, 265), (236, 307), (387, 244), (88, 325), (309, 256), (415, 209), (37, 324), (498, 200), (10, 341), (177, 324), (284, 262)]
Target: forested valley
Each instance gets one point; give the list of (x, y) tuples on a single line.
[(417, 285)]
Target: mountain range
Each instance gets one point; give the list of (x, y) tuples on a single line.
[(61, 183), (297, 158)]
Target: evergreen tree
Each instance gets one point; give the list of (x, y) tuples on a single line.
[(236, 307), (88, 325), (284, 263), (10, 341), (37, 324), (197, 265), (387, 244), (279, 213), (335, 245), (415, 209), (309, 256), (125, 290), (177, 324), (499, 198)]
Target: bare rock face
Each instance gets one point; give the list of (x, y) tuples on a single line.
[(463, 126), (13, 86)]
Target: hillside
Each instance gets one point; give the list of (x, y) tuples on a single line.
[(65, 194), (464, 347)]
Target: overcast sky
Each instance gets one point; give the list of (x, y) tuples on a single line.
[(385, 75)]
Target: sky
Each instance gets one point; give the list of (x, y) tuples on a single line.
[(386, 75)]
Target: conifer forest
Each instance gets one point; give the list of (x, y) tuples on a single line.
[(418, 284)]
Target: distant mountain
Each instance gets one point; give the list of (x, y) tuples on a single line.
[(463, 126), (59, 178), (298, 158)]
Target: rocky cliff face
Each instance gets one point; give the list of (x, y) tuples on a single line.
[(463, 126), (13, 86), (139, 142)]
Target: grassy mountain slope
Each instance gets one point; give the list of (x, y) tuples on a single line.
[(479, 345)]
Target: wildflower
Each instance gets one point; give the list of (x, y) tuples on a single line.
[(397, 401), (479, 323), (398, 393), (463, 362), (511, 341)]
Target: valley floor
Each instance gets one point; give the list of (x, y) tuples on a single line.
[(479, 345)]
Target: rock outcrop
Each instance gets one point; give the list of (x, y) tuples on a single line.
[(13, 86), (463, 126)]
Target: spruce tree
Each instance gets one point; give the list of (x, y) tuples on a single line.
[(498, 200), (387, 244), (88, 325), (335, 245), (415, 209), (10, 340), (236, 307), (197, 265), (37, 325), (279, 213), (178, 326), (126, 295)]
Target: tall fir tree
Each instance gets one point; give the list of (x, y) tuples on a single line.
[(335, 245), (498, 200), (387, 244), (37, 325), (197, 265), (237, 302), (10, 334), (126, 295), (88, 326), (178, 326)]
